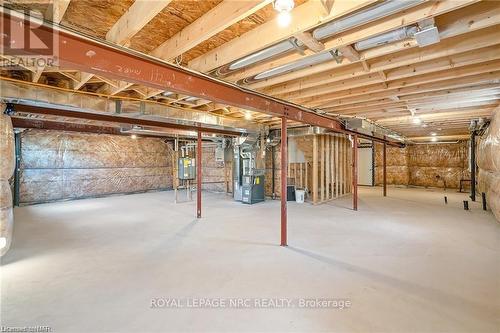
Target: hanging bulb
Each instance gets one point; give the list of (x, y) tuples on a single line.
[(284, 19), (284, 7)]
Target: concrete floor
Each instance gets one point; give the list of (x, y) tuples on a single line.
[(407, 263)]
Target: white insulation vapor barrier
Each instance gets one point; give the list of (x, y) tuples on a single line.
[(7, 165), (488, 161)]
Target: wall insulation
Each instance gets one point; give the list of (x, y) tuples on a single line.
[(397, 165), (59, 165), (427, 165), (488, 161), (7, 166), (216, 175)]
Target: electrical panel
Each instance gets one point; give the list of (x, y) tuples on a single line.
[(186, 168)]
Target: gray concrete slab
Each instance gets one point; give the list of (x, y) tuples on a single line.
[(407, 263)]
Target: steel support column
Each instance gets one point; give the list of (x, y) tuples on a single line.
[(198, 176), (384, 158), (355, 173), (473, 166), (284, 175)]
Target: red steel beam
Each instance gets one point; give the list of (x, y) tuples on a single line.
[(284, 175), (77, 52), (385, 169), (198, 176), (117, 119), (355, 173)]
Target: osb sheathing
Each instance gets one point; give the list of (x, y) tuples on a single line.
[(488, 160), (430, 165), (236, 30), (175, 17), (67, 165), (94, 17)]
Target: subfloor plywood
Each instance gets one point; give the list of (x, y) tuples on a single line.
[(407, 263)]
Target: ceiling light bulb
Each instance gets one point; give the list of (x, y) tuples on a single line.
[(248, 116), (284, 19), (283, 5), (133, 136), (433, 133), (434, 139), (416, 120)]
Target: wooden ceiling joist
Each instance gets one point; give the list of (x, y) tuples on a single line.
[(408, 17), (304, 17), (216, 20), (135, 18)]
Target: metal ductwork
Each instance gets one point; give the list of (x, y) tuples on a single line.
[(386, 38), (369, 128), (363, 16), (325, 31)]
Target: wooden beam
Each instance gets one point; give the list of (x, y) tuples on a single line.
[(308, 40), (323, 97), (412, 57), (410, 16), (422, 70), (350, 53), (84, 78), (214, 21), (327, 5), (36, 75), (135, 18), (55, 13), (304, 17)]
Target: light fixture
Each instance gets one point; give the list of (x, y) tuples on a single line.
[(434, 139), (284, 19), (133, 136), (433, 133), (248, 116), (284, 7), (416, 120)]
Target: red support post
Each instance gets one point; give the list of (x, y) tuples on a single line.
[(198, 176), (355, 173), (284, 168), (385, 169)]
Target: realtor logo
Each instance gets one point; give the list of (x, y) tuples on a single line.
[(25, 42)]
